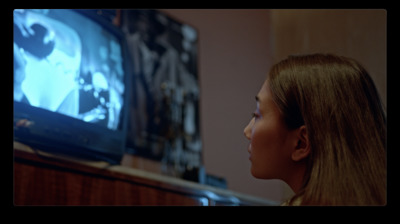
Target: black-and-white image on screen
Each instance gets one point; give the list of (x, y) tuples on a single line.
[(67, 63)]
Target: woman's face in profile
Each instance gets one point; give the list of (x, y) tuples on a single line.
[(269, 147)]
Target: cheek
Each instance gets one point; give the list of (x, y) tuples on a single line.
[(266, 152)]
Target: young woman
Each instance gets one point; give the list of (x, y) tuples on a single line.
[(320, 126)]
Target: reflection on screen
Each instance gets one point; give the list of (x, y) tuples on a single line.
[(67, 63)]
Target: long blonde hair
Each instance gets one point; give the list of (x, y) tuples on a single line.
[(337, 101)]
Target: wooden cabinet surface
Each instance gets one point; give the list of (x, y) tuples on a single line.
[(41, 179)]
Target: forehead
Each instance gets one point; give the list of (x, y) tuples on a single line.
[(265, 99), (264, 93)]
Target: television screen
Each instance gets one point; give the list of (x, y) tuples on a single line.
[(70, 63)]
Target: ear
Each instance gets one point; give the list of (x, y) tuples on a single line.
[(302, 149)]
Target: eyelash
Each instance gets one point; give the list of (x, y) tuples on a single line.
[(255, 115)]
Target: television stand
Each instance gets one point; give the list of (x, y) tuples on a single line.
[(44, 179)]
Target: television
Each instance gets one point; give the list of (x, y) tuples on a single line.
[(70, 82)]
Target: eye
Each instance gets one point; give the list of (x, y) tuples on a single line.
[(255, 115)]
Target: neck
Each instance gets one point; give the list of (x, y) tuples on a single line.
[(295, 178)]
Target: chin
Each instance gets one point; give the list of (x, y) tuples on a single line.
[(260, 175)]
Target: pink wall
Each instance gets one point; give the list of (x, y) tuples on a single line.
[(234, 59)]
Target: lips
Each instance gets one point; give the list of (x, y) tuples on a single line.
[(249, 150)]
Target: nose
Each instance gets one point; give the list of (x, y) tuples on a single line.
[(248, 129)]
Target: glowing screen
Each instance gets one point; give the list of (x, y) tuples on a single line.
[(67, 63)]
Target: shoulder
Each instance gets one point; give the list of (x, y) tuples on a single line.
[(292, 202)]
